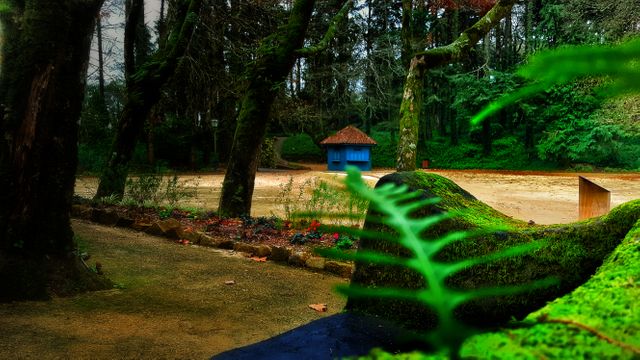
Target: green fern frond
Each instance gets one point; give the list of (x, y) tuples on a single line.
[(560, 66), (395, 204)]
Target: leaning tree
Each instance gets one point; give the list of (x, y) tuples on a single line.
[(44, 63), (265, 77), (144, 88), (423, 61)]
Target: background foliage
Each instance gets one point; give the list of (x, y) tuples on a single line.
[(358, 80)]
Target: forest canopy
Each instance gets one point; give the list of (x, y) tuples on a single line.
[(358, 79)]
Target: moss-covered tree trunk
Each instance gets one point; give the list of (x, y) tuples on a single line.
[(143, 92), (44, 64), (407, 33), (410, 117), (421, 62), (274, 60)]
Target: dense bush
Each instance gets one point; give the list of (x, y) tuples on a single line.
[(582, 141), (384, 154), (508, 153), (301, 147), (91, 158)]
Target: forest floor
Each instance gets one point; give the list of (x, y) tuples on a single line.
[(172, 302), (176, 301)]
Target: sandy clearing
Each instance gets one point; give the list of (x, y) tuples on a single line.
[(546, 198)]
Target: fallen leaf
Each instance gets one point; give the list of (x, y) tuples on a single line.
[(319, 307), (229, 282), (259, 259)]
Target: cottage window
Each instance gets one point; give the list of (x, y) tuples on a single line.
[(335, 155), (358, 154)]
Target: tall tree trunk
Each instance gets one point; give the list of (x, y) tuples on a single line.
[(161, 26), (274, 60), (100, 58), (528, 27), (407, 33), (143, 92), (412, 99), (410, 117), (44, 67), (134, 10)]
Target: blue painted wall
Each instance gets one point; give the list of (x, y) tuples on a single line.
[(339, 156)]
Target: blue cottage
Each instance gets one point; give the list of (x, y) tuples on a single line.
[(349, 146)]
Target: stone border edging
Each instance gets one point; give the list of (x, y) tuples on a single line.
[(172, 229)]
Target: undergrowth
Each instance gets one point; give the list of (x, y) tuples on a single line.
[(154, 189), (315, 197)]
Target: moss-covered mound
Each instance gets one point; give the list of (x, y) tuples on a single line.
[(599, 320), (571, 254)]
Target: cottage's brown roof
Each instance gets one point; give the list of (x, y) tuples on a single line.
[(349, 135)]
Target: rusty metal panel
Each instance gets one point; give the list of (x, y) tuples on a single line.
[(594, 200)]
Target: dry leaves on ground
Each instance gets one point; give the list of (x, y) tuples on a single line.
[(319, 307)]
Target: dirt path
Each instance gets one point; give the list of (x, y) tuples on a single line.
[(173, 303), (546, 198)]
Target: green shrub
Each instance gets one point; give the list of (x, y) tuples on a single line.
[(582, 140), (152, 189), (301, 147), (384, 154), (508, 153), (143, 189), (91, 159), (306, 201), (344, 242)]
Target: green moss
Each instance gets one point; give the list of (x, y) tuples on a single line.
[(607, 303), (410, 119), (571, 253)]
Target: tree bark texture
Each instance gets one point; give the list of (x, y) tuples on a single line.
[(432, 58), (407, 33), (44, 66), (274, 60), (143, 92)]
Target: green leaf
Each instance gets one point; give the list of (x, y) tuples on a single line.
[(564, 65)]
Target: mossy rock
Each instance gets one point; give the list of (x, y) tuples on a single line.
[(571, 254)]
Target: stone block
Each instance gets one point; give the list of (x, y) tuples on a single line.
[(315, 262), (339, 268), (169, 228), (263, 251), (81, 211), (279, 253), (226, 244), (245, 248), (124, 221), (104, 217), (298, 258)]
